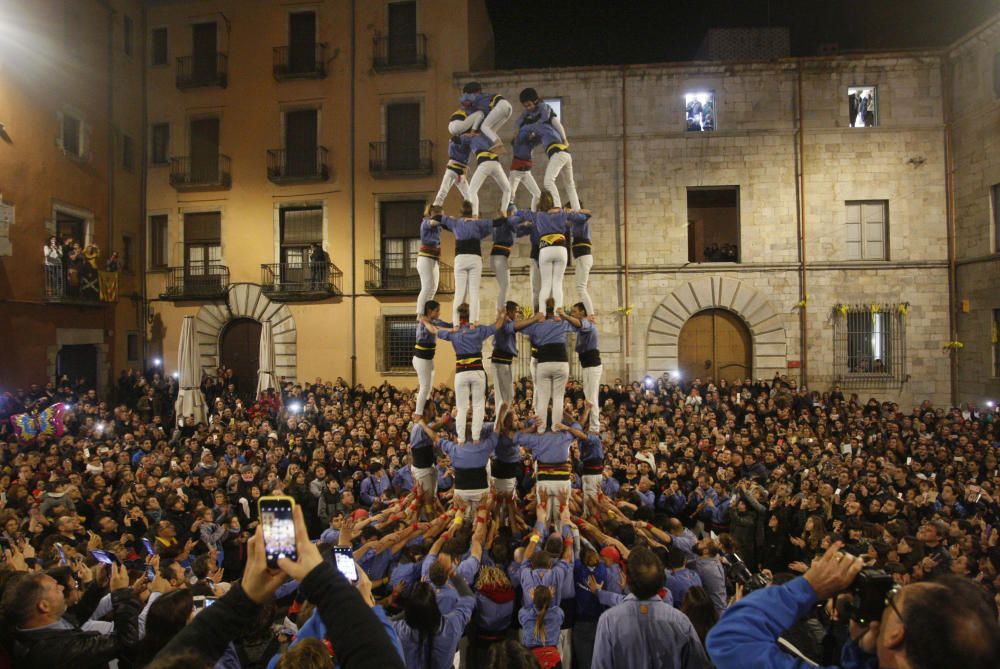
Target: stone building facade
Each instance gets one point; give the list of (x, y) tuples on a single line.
[(783, 135)]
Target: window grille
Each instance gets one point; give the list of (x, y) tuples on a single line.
[(870, 344), (398, 336)]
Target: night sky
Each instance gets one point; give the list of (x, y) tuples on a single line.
[(546, 33)]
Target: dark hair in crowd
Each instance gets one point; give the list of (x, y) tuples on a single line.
[(700, 610), (421, 613), (431, 305), (645, 573), (167, 616), (950, 622), (511, 654)]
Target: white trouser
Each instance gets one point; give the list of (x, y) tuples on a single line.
[(591, 486), (430, 273), (552, 377), (518, 176), (425, 377), (470, 388), (551, 268), (427, 479), (468, 275), (495, 119), (561, 161), (535, 278), (501, 269), (592, 391), (458, 126), (451, 178), (566, 647), (503, 486), (488, 168), (556, 492), (581, 268), (503, 385), (472, 499)]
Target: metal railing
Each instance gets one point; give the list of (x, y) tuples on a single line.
[(70, 285), (401, 158), (395, 52), (285, 167), (197, 281), (190, 175), (196, 73), (288, 64), (301, 279), (869, 346), (393, 274)]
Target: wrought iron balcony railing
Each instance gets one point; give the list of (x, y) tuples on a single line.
[(301, 280), (201, 72), (400, 52), (401, 159), (285, 167), (291, 63), (197, 281), (187, 174), (393, 275)]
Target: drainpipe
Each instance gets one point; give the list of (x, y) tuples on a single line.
[(143, 311), (354, 262), (626, 316), (800, 187), (949, 180)]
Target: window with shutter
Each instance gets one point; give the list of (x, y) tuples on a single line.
[(301, 227), (160, 144), (866, 233)]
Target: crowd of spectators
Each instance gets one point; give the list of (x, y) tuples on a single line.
[(708, 491)]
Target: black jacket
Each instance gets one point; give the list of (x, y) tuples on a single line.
[(49, 648), (354, 631)]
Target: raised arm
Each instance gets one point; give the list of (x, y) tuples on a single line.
[(572, 320)]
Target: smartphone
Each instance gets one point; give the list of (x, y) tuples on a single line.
[(150, 573), (908, 461), (203, 602), (149, 546), (86, 453), (62, 554), (104, 556), (279, 529), (344, 557)]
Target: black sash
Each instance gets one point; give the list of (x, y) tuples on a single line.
[(471, 479), (552, 353)]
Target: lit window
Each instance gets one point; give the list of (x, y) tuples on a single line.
[(868, 343), (862, 107), (700, 111)]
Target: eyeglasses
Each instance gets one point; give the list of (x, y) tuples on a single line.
[(890, 600)]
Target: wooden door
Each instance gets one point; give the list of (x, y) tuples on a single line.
[(78, 361), (402, 33), (300, 142), (714, 345), (205, 150), (204, 37), (240, 348), (403, 136), (302, 42)]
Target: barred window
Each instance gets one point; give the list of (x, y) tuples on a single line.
[(398, 336), (870, 345)]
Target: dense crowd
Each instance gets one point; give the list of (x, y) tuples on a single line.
[(706, 493)]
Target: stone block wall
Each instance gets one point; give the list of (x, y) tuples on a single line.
[(640, 171)]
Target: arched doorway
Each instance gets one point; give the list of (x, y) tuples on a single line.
[(240, 344), (714, 345)]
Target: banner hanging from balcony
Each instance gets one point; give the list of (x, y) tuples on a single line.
[(109, 286)]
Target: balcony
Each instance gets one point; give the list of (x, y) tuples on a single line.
[(390, 275), (195, 175), (285, 282), (196, 282), (202, 73), (293, 168), (289, 64), (401, 159), (80, 288), (400, 52)]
